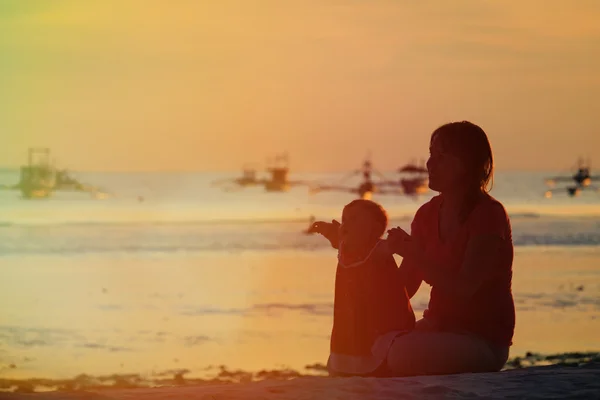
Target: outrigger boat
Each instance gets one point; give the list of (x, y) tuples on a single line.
[(39, 178)]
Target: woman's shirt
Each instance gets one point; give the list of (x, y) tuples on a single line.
[(490, 312)]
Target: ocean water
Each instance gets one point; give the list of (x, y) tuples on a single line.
[(182, 213), (194, 276)]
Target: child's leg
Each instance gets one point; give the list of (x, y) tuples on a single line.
[(439, 353)]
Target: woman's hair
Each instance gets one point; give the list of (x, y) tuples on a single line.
[(376, 211), (469, 142)]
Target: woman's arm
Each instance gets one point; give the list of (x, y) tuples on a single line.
[(482, 261), (410, 276), (488, 228)]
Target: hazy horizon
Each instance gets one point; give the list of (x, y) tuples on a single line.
[(567, 169), (211, 86)]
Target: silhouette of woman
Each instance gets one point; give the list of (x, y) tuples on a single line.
[(461, 245)]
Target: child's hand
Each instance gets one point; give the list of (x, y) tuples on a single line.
[(399, 241), (330, 230), (397, 233)]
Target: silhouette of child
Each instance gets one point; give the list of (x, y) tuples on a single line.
[(371, 305)]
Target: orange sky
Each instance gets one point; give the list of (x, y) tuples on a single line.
[(212, 84)]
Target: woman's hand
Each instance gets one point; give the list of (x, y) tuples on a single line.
[(330, 230)]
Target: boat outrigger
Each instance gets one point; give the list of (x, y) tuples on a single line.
[(413, 182), (365, 188)]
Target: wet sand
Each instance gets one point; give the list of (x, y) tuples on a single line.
[(89, 323)]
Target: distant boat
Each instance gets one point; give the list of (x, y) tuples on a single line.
[(277, 180), (581, 179), (413, 182), (417, 180), (279, 170), (414, 179), (39, 178)]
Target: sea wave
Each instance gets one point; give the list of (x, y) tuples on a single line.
[(194, 237), (153, 219), (148, 222), (69, 248), (541, 241)]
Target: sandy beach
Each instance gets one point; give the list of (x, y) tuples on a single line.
[(551, 382)]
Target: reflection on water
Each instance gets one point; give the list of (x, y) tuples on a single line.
[(254, 310)]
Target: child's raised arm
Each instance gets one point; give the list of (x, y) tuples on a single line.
[(330, 230)]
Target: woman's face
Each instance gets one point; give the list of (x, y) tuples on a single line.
[(446, 171)]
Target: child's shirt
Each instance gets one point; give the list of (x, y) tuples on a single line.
[(371, 307)]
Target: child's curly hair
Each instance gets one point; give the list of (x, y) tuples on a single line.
[(375, 209)]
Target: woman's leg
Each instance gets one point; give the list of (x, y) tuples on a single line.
[(423, 352)]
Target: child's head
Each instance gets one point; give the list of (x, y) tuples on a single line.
[(363, 222)]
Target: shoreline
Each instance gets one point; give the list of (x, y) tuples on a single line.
[(226, 376)]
